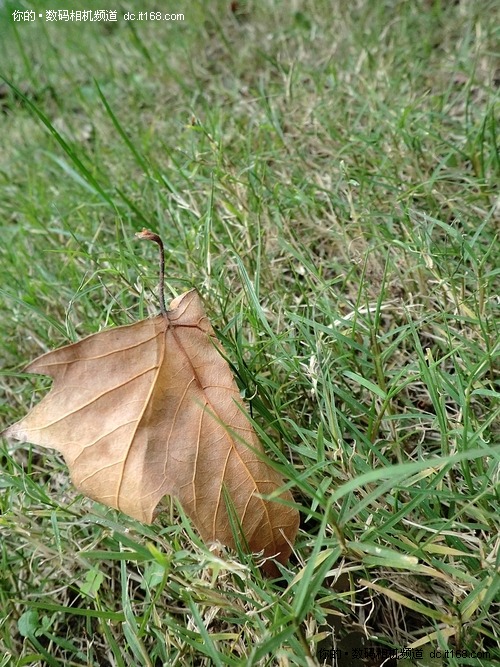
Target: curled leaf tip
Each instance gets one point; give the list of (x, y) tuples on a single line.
[(148, 235), (151, 236)]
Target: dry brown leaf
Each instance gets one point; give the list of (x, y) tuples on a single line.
[(150, 409)]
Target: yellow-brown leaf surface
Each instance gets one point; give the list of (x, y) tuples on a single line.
[(150, 409)]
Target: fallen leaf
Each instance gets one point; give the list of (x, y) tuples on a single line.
[(150, 409)]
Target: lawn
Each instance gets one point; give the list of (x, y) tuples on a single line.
[(326, 175)]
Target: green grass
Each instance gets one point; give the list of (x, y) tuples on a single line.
[(328, 181)]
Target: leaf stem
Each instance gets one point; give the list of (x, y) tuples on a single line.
[(151, 236)]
